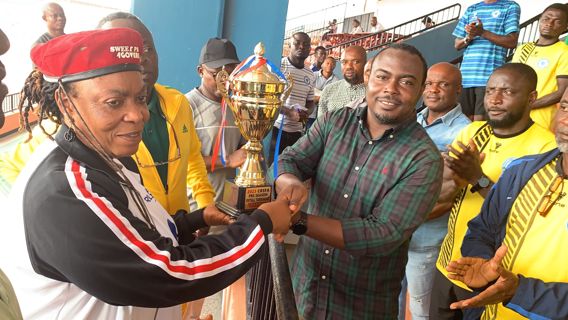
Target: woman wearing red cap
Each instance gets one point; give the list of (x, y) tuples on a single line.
[(83, 238)]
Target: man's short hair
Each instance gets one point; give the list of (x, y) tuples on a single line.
[(121, 15), (522, 71), (411, 50), (319, 48), (558, 6), (300, 33)]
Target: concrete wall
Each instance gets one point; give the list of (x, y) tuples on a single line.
[(182, 27), (436, 45)]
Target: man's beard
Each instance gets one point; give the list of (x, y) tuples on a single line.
[(508, 121), (384, 119)]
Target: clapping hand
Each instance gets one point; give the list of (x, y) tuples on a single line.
[(466, 164), (479, 272)]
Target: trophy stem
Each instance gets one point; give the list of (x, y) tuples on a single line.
[(251, 174)]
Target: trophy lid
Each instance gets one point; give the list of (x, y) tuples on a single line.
[(256, 68)]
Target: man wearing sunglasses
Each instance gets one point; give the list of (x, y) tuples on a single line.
[(476, 158), (516, 246)]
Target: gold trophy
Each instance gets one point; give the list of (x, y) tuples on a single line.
[(254, 92)]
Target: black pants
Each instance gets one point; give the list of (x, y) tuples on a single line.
[(444, 293), (288, 139), (471, 101)]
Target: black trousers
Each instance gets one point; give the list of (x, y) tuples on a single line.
[(444, 293), (288, 139)]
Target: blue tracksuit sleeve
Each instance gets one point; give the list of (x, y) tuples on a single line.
[(536, 299)]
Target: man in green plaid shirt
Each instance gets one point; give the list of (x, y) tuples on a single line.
[(376, 175)]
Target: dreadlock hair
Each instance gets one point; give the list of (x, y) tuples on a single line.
[(38, 96)]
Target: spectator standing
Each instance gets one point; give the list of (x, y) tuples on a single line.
[(476, 159), (503, 248), (375, 176), (296, 109), (443, 120), (351, 87), (205, 102), (324, 77), (548, 56), (169, 157), (319, 56), (55, 20), (485, 31)]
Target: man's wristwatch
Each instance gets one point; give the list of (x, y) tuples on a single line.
[(301, 226), (482, 183)]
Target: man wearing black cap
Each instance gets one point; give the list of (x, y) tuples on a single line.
[(205, 102)]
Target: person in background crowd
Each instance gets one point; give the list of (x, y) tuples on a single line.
[(351, 87), (319, 56), (356, 27), (485, 32), (476, 159), (428, 22), (324, 77), (367, 70), (548, 56), (205, 102), (375, 25), (443, 120), (375, 176), (300, 104), (55, 20), (503, 251)]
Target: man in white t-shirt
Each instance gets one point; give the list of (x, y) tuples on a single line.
[(294, 113)]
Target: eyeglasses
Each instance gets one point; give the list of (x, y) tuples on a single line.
[(161, 163), (553, 194), (213, 73)]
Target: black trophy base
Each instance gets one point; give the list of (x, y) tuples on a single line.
[(239, 200)]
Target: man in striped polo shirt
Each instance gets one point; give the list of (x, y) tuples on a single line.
[(294, 113), (485, 30)]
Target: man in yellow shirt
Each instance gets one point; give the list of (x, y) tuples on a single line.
[(548, 56), (504, 250), (476, 158)]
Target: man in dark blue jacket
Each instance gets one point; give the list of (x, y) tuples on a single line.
[(514, 250)]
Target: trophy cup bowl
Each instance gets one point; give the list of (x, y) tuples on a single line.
[(254, 92)]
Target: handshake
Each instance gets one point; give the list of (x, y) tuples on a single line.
[(283, 211)]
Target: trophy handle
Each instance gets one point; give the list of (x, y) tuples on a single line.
[(287, 89)]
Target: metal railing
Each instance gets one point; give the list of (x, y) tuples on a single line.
[(10, 103), (269, 286), (397, 33)]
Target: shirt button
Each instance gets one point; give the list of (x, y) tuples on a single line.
[(346, 196), (323, 277), (391, 136), (370, 142), (326, 251), (356, 168)]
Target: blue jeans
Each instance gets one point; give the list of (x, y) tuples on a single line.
[(421, 266)]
